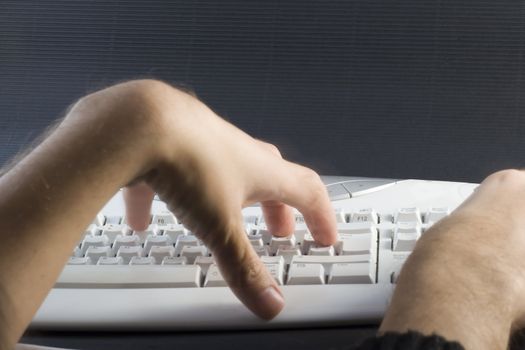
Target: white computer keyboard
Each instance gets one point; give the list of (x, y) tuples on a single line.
[(165, 279)]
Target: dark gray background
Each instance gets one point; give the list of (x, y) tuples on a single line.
[(421, 89)]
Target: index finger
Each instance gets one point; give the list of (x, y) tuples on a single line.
[(303, 189)]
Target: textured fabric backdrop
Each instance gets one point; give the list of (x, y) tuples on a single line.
[(421, 89)]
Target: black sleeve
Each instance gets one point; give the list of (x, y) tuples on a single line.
[(409, 341)]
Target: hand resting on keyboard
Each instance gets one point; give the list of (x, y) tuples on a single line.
[(464, 279)]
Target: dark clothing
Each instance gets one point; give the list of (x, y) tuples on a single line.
[(409, 341)]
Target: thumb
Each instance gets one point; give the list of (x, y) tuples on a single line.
[(244, 272)]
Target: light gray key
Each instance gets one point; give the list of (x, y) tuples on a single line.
[(155, 240), (142, 260), (176, 260), (182, 241), (91, 230), (288, 252), (356, 228), (265, 233), (324, 251), (407, 215), (93, 241), (173, 231), (278, 242), (113, 230), (125, 276), (357, 244), (436, 214), (275, 265), (214, 278), (79, 261), (164, 218), (352, 273), (99, 220), (204, 262), (305, 274), (110, 260), (308, 241), (96, 252), (256, 240), (161, 252), (365, 215), (128, 252), (406, 235), (114, 220), (192, 252), (152, 230), (261, 251), (121, 241)]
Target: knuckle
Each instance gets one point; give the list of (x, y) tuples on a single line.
[(506, 177)]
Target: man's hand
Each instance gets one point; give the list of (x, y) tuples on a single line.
[(465, 279), (156, 138)]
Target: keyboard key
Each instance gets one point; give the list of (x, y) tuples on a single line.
[(275, 265), (324, 251), (365, 215), (129, 252), (214, 278), (113, 230), (155, 240), (183, 241), (93, 241), (305, 274), (256, 240), (436, 214), (104, 260), (407, 215), (287, 252), (357, 228), (173, 231), (308, 241), (278, 242), (328, 261), (263, 231), (161, 252), (114, 220), (175, 260), (164, 218), (340, 216), (204, 262), (121, 241), (76, 252), (193, 252), (300, 231), (126, 276), (251, 219), (79, 261), (99, 220), (406, 235), (152, 230), (96, 252), (261, 251), (357, 244), (352, 273), (91, 230), (142, 260)]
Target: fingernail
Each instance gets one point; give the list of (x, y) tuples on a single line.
[(271, 303)]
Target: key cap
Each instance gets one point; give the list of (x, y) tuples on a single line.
[(104, 260), (79, 261), (288, 252), (265, 234), (261, 251), (121, 241), (251, 219), (324, 251), (142, 260), (256, 240), (300, 231), (407, 215), (405, 236), (76, 252), (113, 230), (91, 230), (357, 228), (305, 274), (161, 252), (152, 230), (192, 252), (93, 241), (357, 244), (275, 265), (214, 277), (352, 273), (183, 241), (113, 220), (340, 216), (153, 240), (436, 214), (277, 242), (146, 276), (204, 262), (176, 260), (96, 252), (174, 231), (128, 252), (99, 220), (308, 241), (365, 215), (328, 261), (164, 218)]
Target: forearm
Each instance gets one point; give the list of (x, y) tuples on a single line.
[(437, 292), (50, 197)]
